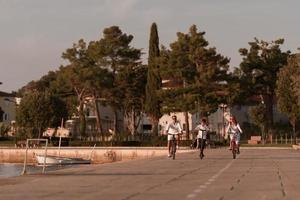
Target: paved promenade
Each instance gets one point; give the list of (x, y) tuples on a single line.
[(255, 174)]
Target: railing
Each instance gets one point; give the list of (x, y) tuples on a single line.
[(27, 147), (285, 139)]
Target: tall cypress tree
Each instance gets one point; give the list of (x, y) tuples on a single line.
[(152, 103)]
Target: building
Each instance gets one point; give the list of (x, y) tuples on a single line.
[(8, 103)]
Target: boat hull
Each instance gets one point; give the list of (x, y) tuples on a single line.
[(55, 160)]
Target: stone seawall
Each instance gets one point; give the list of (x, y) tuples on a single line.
[(98, 155)]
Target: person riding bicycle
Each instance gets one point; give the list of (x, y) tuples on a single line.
[(234, 130), (173, 128), (203, 130)]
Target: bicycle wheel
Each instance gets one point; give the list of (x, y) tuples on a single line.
[(201, 155), (173, 149), (233, 154), (233, 150)]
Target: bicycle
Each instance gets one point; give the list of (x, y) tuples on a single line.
[(234, 147), (173, 146)]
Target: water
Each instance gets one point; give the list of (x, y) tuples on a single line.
[(10, 170)]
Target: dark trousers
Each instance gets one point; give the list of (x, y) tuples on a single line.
[(202, 143)]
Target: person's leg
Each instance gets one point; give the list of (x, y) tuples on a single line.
[(238, 143), (169, 145), (230, 143), (203, 141), (238, 146), (178, 139)]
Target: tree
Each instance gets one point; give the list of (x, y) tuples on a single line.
[(78, 75), (259, 69), (115, 53), (258, 116), (152, 102), (132, 80), (286, 98), (200, 74), (296, 78), (55, 83), (39, 110)]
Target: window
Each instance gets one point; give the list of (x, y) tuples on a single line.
[(5, 116), (184, 126), (1, 115), (147, 127)]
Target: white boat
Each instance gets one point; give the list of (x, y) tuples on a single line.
[(56, 160)]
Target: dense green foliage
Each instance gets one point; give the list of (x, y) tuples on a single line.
[(152, 102), (286, 97), (258, 73), (39, 110), (199, 71)]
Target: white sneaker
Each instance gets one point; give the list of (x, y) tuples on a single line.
[(169, 155)]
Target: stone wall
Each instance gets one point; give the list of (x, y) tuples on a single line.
[(98, 155)]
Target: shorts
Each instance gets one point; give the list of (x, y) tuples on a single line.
[(238, 138), (170, 136)]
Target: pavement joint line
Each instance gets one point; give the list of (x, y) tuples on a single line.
[(191, 195), (208, 182), (280, 178), (198, 190), (131, 196), (167, 182), (241, 177)]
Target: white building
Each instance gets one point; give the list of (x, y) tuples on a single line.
[(8, 104)]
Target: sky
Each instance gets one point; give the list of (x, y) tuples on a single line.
[(35, 33)]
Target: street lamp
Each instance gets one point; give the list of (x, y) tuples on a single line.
[(223, 107)]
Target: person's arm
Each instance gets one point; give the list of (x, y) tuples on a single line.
[(180, 128), (239, 128), (227, 129), (207, 128), (197, 128), (167, 129)]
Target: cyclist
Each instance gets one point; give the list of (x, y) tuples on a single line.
[(173, 128), (203, 130), (232, 129)]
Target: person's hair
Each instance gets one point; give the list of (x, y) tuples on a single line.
[(174, 117), (233, 120), (204, 120)]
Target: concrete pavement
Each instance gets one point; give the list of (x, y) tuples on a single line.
[(255, 174)]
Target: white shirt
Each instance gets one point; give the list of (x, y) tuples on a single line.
[(173, 128), (202, 131), (234, 129)]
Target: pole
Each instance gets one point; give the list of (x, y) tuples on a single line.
[(25, 160), (223, 121), (59, 144), (45, 157)]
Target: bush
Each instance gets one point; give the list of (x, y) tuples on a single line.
[(4, 130)]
